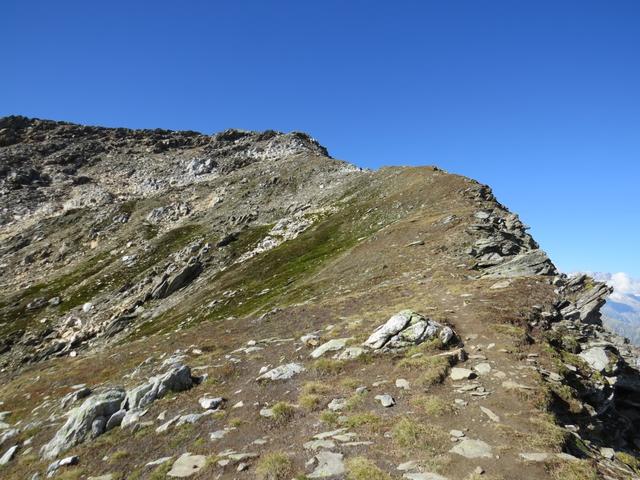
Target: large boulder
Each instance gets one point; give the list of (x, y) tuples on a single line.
[(78, 427), (176, 379), (407, 328)]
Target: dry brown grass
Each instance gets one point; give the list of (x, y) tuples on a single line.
[(360, 468), (410, 435), (274, 466)]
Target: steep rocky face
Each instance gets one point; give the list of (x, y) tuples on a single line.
[(242, 305)]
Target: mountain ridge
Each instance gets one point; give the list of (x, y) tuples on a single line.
[(331, 319)]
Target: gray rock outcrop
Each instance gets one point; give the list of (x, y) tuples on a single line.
[(407, 328), (78, 427)]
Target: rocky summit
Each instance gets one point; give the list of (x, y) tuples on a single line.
[(242, 305)]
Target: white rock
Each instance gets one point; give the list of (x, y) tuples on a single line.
[(283, 372), (329, 465), (458, 373), (337, 404), (318, 444), (469, 448), (402, 383), (393, 326), (482, 368), (350, 353), (186, 465), (8, 455), (596, 358), (330, 346), (535, 456), (386, 400), (490, 414), (209, 403), (159, 461)]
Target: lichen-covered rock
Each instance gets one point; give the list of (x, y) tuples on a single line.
[(283, 372), (79, 425), (177, 379), (407, 328)]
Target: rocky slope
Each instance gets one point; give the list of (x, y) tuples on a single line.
[(242, 305)]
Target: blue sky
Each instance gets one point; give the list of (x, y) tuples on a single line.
[(539, 99)]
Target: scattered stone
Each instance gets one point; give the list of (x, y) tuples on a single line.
[(386, 400), (211, 403), (456, 433), (266, 412), (458, 373), (219, 434), (337, 404), (470, 448), (159, 461), (350, 353), (511, 385), (65, 462), (311, 339), (501, 284), (490, 414), (410, 465), (318, 444), (423, 476), (8, 455), (330, 346), (535, 457), (283, 372), (330, 464), (415, 244), (403, 384), (608, 453), (186, 465), (482, 368)]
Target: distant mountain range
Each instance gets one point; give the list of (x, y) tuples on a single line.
[(622, 310)]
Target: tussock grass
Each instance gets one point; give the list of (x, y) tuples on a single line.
[(283, 412), (311, 402), (548, 435), (360, 468), (329, 417), (408, 434), (431, 405), (367, 419), (573, 470), (327, 366), (632, 462), (274, 466), (434, 369), (312, 395), (160, 472)]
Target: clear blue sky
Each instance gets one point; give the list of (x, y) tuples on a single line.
[(540, 99)]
